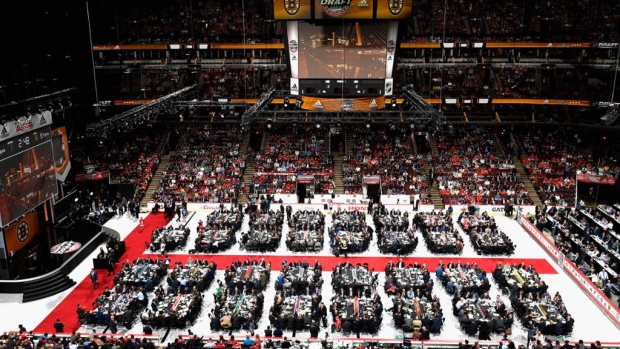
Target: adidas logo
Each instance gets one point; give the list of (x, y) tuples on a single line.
[(42, 121), (294, 87), (373, 104), (318, 105)]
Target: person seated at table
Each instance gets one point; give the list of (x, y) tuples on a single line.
[(248, 341)]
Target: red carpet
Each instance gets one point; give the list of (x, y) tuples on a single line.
[(84, 293), (137, 241)]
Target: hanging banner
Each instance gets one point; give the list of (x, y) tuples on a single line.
[(337, 104), (596, 179), (295, 86), (18, 234), (392, 36), (292, 31)]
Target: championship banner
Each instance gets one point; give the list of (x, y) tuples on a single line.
[(293, 48), (292, 9), (389, 87), (596, 179), (93, 176), (18, 234), (25, 124), (339, 104), (392, 36), (60, 146)]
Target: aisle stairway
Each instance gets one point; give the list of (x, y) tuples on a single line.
[(348, 143), (338, 173), (250, 166), (526, 181), (155, 181), (248, 176), (434, 189)]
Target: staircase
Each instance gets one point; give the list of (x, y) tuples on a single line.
[(497, 145), (348, 142), (49, 285), (526, 181), (338, 173), (434, 189), (155, 181), (248, 177), (250, 166)]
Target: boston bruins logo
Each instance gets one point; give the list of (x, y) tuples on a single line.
[(292, 6), (395, 6), (23, 231)]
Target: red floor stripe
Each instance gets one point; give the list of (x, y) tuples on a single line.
[(377, 263)]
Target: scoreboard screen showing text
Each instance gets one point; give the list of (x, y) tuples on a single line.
[(27, 171)]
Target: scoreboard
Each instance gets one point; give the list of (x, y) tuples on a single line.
[(342, 9), (27, 172)]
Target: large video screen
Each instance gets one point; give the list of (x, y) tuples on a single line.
[(27, 172), (351, 50)]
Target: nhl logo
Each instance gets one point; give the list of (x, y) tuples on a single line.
[(346, 105), (23, 231), (395, 6), (293, 46), (335, 8), (391, 46), (292, 6)]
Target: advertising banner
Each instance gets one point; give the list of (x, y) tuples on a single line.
[(339, 104), (595, 179), (293, 48), (19, 233)]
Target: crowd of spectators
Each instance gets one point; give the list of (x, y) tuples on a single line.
[(290, 153), (470, 169), (207, 167), (388, 153), (130, 159), (551, 158), (509, 21)]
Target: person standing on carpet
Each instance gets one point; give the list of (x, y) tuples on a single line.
[(59, 327), (94, 277)]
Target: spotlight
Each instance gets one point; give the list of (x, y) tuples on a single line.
[(318, 125), (368, 125), (269, 123), (285, 102), (393, 102)]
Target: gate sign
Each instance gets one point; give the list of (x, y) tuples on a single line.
[(595, 179), (371, 180)]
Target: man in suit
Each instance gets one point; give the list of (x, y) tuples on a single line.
[(59, 327), (268, 332), (112, 325), (285, 344), (94, 277)]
